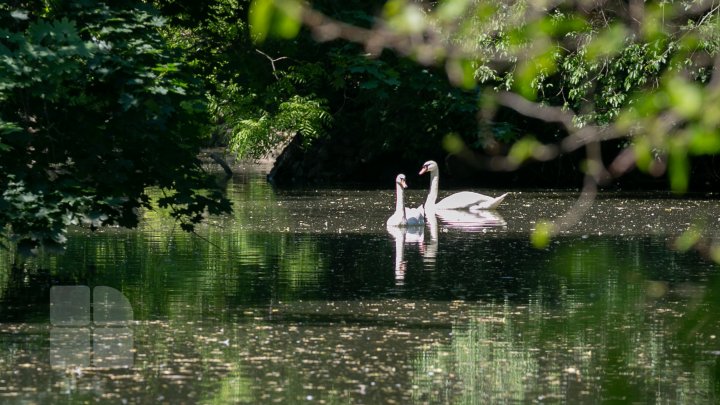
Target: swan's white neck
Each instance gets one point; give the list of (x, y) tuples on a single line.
[(400, 200), (434, 184)]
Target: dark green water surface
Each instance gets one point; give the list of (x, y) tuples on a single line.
[(306, 297)]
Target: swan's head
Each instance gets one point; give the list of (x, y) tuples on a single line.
[(429, 166), (400, 179)]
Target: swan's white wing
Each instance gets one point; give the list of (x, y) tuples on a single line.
[(490, 204), (463, 199)]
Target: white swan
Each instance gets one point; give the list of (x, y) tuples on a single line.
[(461, 200), (404, 216)]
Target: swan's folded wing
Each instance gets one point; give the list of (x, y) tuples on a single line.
[(490, 204), (463, 199)]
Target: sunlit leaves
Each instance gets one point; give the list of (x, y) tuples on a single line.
[(703, 141), (643, 154), (523, 150), (451, 11), (276, 17), (461, 73), (678, 167), (608, 43), (653, 27), (685, 98), (253, 136), (404, 16), (530, 73)]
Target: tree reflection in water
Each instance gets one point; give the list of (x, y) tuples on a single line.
[(305, 295)]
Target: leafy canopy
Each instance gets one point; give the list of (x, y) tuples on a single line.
[(94, 109)]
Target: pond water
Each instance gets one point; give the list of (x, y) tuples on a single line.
[(305, 297)]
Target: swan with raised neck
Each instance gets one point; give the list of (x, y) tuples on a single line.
[(404, 216), (461, 200)]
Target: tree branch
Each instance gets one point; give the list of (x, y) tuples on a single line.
[(272, 61)]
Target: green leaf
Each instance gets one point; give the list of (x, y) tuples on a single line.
[(608, 43), (287, 18), (158, 90), (405, 17), (524, 77), (686, 98), (369, 84), (643, 153), (276, 17), (128, 101), (453, 143), (678, 168), (704, 141), (19, 14), (451, 10), (653, 20), (689, 238), (523, 150), (260, 17), (7, 128), (394, 8), (540, 237), (461, 73), (531, 72)]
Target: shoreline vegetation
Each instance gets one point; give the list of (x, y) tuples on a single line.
[(102, 101)]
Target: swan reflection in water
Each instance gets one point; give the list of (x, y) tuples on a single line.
[(468, 220), (445, 219), (411, 235)]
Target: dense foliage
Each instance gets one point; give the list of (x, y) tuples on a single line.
[(255, 101), (94, 108), (263, 95)]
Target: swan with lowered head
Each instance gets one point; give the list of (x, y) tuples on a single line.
[(404, 216), (461, 200)]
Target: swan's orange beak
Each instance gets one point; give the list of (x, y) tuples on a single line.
[(403, 183), (423, 170)]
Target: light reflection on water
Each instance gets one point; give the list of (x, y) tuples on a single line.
[(306, 296)]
